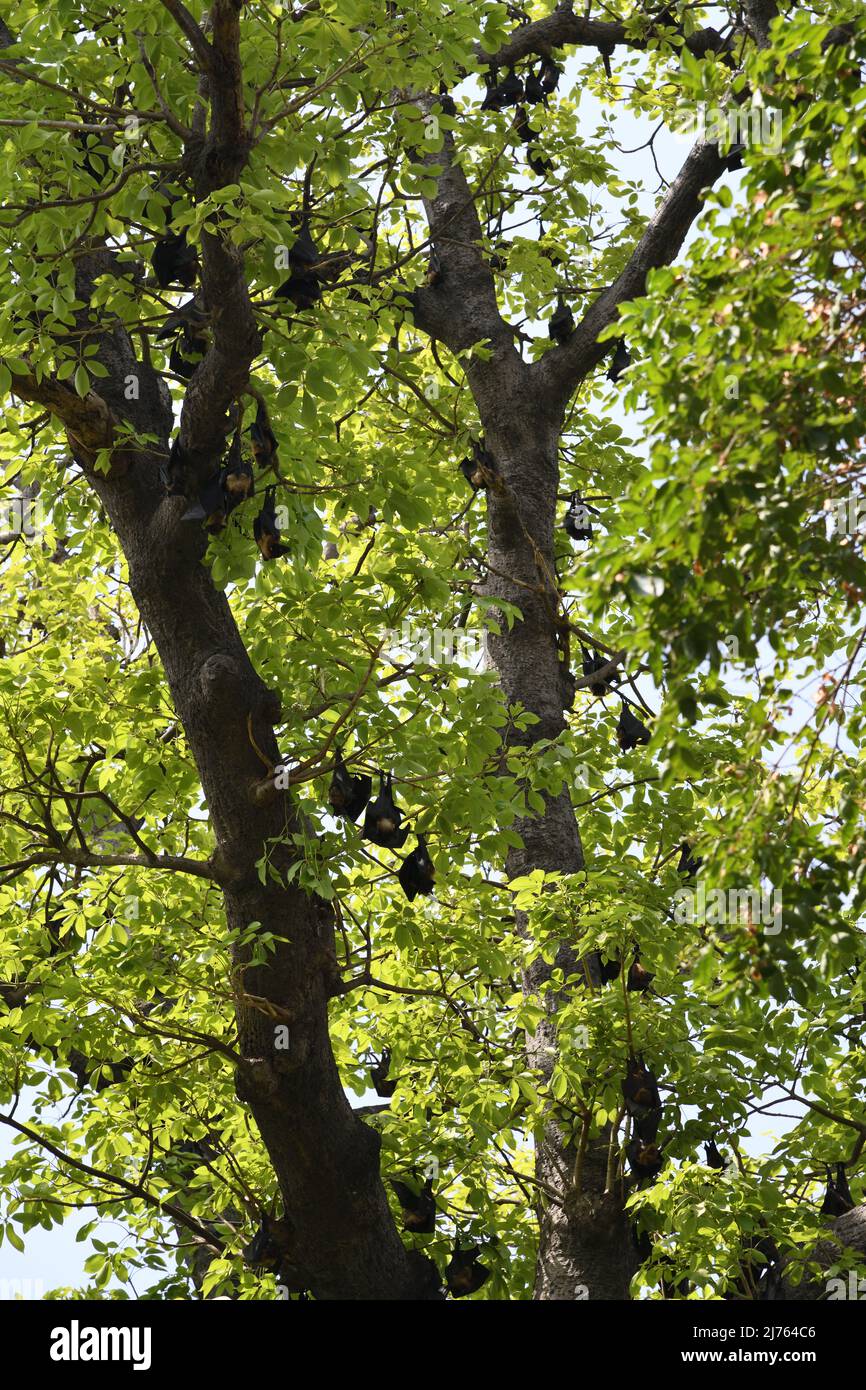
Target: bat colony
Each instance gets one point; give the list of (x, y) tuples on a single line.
[(175, 265)]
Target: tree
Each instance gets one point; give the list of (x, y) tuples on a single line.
[(185, 933)]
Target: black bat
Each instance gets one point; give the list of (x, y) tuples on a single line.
[(417, 872), (639, 979), (533, 90), (714, 1158), (561, 325), (576, 520), (478, 467), (435, 272), (640, 1088), (262, 439), (419, 1208), (593, 661), (620, 360), (548, 75), (379, 1074), (236, 477), (173, 470), (266, 531), (646, 1127), (837, 1199), (262, 1252), (303, 286), (510, 90), (213, 505), (687, 864), (383, 818), (630, 731), (463, 1273), (606, 50), (174, 261), (645, 1160), (348, 795), (538, 164)]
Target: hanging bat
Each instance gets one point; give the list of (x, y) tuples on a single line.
[(714, 1158), (236, 477), (640, 1088), (837, 1199), (606, 49), (463, 1273), (533, 90), (263, 1253), (548, 75), (646, 1127), (419, 1208), (262, 439), (639, 979), (478, 469), (213, 506), (303, 286), (174, 262), (379, 1074), (417, 872), (645, 1159), (687, 864), (538, 164), (620, 360), (591, 662), (630, 731), (561, 325), (383, 818), (435, 273), (576, 521), (348, 795), (173, 471), (266, 531), (509, 92)]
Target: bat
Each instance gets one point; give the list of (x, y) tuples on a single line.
[(548, 75), (561, 325), (576, 520), (630, 731), (383, 818), (263, 1253), (463, 1273), (348, 795), (236, 478), (639, 979), (419, 1208), (417, 873), (262, 439), (379, 1074), (479, 467), (266, 530), (714, 1158), (687, 864), (837, 1199), (593, 661), (640, 1088), (174, 262), (620, 360), (645, 1159)]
